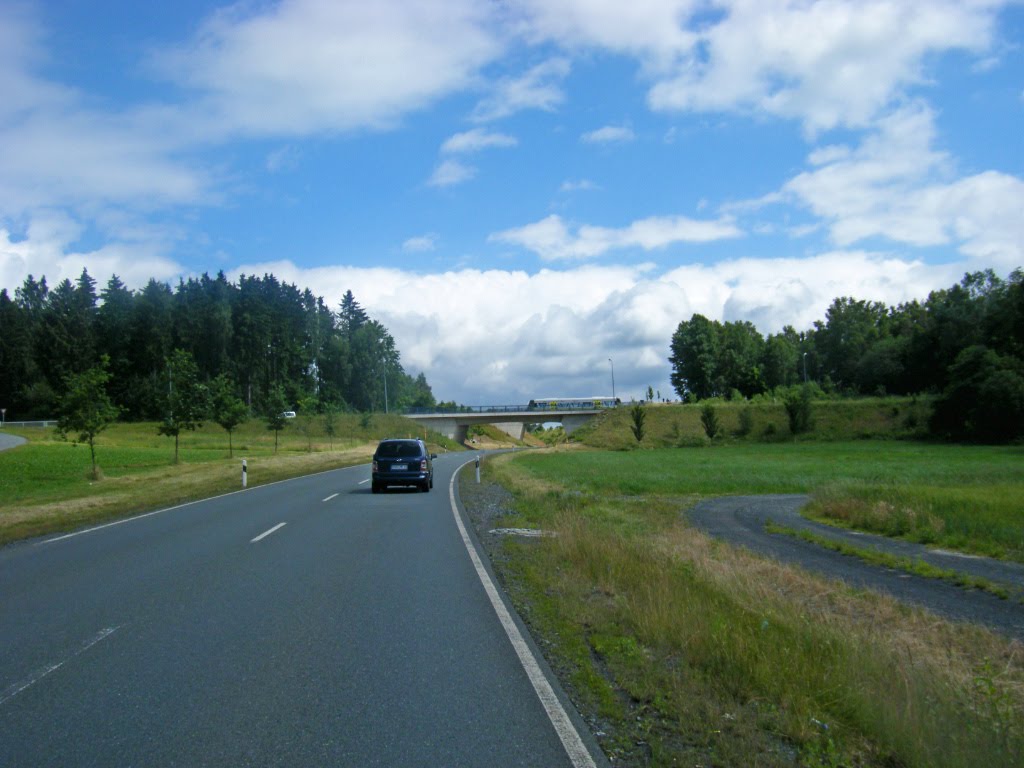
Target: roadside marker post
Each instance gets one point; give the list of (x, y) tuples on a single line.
[(478, 470), (245, 475)]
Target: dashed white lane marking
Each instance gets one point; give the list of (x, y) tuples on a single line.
[(181, 506), (267, 533), (42, 672), (333, 495), (567, 733), (364, 482)]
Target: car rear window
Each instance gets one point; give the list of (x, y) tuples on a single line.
[(398, 450)]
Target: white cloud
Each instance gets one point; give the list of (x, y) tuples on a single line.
[(283, 159), (653, 30), (826, 63), (308, 66), (475, 140), (511, 335), (451, 172), (58, 150), (578, 185), (551, 239), (895, 185), (539, 88), (420, 244), (609, 134), (46, 249), (822, 62)]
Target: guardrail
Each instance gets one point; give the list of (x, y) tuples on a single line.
[(467, 409)]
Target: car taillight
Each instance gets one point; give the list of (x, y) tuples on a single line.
[(374, 465), (423, 466)]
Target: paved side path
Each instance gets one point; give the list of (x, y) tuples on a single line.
[(741, 521), (10, 441)]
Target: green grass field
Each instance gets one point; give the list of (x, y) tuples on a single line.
[(46, 485), (690, 652)]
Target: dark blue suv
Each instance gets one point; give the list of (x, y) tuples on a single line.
[(403, 462)]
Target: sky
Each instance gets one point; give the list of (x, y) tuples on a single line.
[(530, 194)]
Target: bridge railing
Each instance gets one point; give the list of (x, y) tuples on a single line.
[(467, 409), (538, 409)]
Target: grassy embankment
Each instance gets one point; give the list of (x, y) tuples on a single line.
[(887, 489), (693, 653), (46, 486)]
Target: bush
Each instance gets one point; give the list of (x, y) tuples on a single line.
[(746, 422), (984, 400), (798, 408), (709, 420)]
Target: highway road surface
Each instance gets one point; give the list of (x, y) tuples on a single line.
[(304, 623)]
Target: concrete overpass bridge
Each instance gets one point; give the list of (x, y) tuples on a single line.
[(510, 419)]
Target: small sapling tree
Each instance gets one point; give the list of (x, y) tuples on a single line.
[(709, 420), (187, 401), (274, 413), (307, 412), (639, 416), (330, 422), (229, 410), (86, 409)]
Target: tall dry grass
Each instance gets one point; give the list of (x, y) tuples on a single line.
[(843, 677)]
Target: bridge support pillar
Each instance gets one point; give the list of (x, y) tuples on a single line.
[(571, 423), (513, 429), (451, 429)]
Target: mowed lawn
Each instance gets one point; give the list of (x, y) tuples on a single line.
[(47, 485), (966, 497)]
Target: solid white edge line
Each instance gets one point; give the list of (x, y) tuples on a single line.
[(267, 533), (39, 674), (333, 495), (189, 504), (567, 733)]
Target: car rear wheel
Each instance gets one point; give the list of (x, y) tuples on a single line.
[(425, 486), (376, 488)]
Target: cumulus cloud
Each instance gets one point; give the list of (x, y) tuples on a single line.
[(551, 239), (896, 185), (448, 173), (539, 88), (498, 336), (420, 244), (475, 140), (825, 63), (578, 185), (46, 249), (301, 67), (609, 134), (59, 151)]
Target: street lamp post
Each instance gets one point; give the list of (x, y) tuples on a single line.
[(613, 377), (385, 387), (805, 367)]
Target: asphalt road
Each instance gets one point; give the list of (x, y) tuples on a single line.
[(741, 520), (10, 441), (308, 622)]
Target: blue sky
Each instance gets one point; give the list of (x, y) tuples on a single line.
[(520, 190)]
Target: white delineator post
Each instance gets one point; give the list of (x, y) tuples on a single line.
[(478, 470), (245, 474)]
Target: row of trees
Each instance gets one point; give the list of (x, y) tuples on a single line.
[(263, 337), (964, 344)]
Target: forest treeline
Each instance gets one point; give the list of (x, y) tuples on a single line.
[(964, 345), (263, 336)]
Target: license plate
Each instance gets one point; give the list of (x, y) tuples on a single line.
[(399, 467)]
